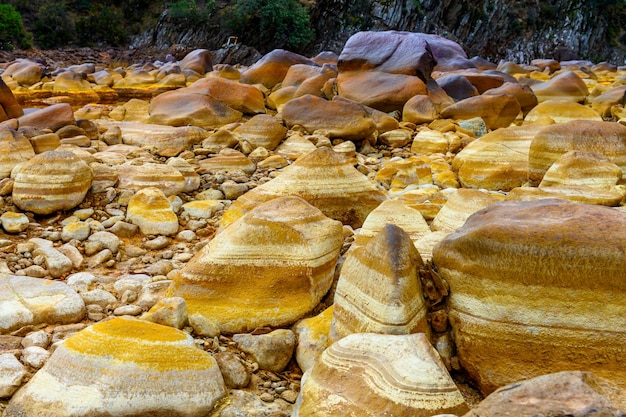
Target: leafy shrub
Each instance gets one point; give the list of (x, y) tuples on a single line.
[(54, 27), (277, 22), (101, 24), (12, 31), (186, 11)]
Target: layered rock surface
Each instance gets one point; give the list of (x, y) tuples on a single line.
[(536, 288)]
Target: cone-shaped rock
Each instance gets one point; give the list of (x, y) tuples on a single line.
[(461, 204), (537, 287), (605, 138), (269, 268), (123, 367), (391, 212), (325, 180), (51, 181), (371, 375), (379, 290)]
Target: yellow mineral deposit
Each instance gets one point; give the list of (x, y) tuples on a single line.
[(269, 268), (537, 287)]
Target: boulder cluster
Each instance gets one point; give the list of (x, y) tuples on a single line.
[(398, 230)]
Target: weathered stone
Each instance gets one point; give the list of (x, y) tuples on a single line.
[(272, 351), (565, 86), (575, 394), (51, 181), (15, 148), (163, 177), (217, 281), (582, 168), (12, 373), (25, 300), (561, 111), (198, 60), (340, 118), (235, 374), (262, 130), (498, 160), (15, 222), (378, 290), (461, 204), (370, 374), (151, 211), (124, 367), (519, 269), (272, 68), (323, 179), (313, 338), (52, 117), (604, 138), (496, 110)]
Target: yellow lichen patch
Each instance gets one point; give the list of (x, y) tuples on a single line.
[(147, 345)]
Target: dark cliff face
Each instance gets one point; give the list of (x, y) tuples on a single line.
[(495, 29), (518, 30)]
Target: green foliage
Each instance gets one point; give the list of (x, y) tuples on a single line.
[(12, 31), (53, 26), (187, 12), (101, 24), (278, 23)]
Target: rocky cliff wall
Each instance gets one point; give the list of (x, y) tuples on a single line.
[(496, 29), (519, 30)]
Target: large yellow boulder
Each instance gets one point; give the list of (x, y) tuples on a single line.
[(124, 367), (537, 287), (269, 268)]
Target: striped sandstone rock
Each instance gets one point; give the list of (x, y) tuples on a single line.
[(268, 268), (325, 180), (51, 181), (368, 374), (379, 290), (536, 288), (124, 367)]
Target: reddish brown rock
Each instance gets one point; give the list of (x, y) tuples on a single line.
[(575, 394), (339, 118), (198, 60), (496, 110), (185, 107), (241, 97), (272, 68), (262, 130), (523, 93), (8, 103), (53, 117)]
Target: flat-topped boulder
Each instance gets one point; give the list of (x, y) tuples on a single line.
[(536, 287), (30, 301)]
